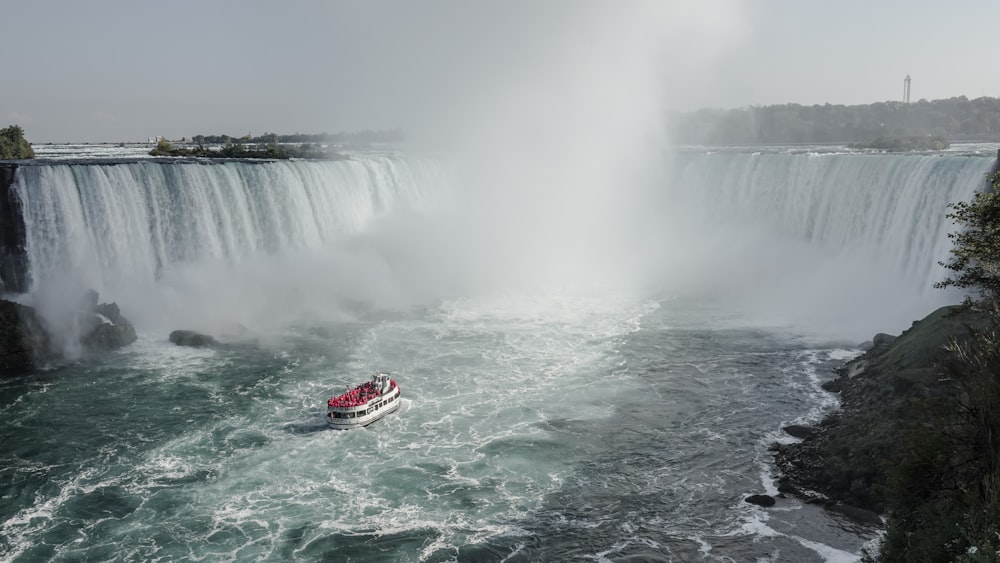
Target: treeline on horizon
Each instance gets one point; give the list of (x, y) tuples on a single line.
[(954, 118), (364, 137)]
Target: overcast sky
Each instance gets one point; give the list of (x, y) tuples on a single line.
[(125, 70)]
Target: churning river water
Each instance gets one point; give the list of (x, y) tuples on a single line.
[(533, 429)]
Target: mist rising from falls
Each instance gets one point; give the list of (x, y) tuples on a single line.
[(554, 146)]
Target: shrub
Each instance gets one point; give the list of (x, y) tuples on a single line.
[(13, 145)]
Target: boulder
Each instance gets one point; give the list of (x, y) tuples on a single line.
[(111, 312), (761, 500), (106, 328), (192, 338)]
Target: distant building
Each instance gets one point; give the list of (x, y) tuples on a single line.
[(906, 89)]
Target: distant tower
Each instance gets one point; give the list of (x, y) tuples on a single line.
[(906, 89)]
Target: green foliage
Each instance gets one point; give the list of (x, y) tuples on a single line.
[(922, 513), (13, 145), (239, 150), (351, 138), (975, 256), (163, 148), (320, 146)]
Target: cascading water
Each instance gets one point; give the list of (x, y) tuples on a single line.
[(892, 202), (821, 231), (132, 220), (131, 229), (536, 425)]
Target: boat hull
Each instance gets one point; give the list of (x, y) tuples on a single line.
[(351, 423)]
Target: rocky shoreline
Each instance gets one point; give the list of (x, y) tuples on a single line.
[(840, 462)]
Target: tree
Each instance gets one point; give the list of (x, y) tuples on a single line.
[(975, 257), (13, 145), (163, 148)]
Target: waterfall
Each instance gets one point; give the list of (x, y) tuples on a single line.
[(813, 230), (895, 204), (122, 228), (860, 233)]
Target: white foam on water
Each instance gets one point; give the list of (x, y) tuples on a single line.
[(479, 381), (23, 528), (829, 554), (755, 525), (844, 355)]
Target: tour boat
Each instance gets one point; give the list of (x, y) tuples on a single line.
[(364, 404)]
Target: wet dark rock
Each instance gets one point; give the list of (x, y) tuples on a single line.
[(28, 341), (13, 257), (192, 338), (800, 431), (855, 513), (761, 500), (105, 328), (23, 339), (785, 487), (833, 385)]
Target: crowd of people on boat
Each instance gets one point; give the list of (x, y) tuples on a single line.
[(357, 397)]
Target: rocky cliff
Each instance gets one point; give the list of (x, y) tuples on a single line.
[(13, 260), (29, 341)]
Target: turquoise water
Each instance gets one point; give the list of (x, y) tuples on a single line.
[(532, 428)]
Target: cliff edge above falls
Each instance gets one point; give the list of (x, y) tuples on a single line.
[(842, 460)]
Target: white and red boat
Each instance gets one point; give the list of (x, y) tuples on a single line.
[(363, 404)]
